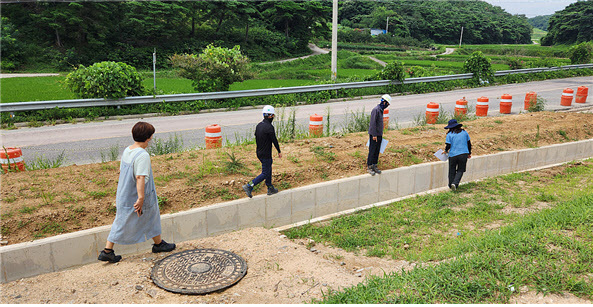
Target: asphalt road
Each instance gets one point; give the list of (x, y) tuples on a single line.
[(83, 143)]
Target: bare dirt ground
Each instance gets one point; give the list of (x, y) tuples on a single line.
[(43, 203), (281, 271)]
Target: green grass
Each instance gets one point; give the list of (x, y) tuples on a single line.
[(33, 89), (481, 247), (538, 34)]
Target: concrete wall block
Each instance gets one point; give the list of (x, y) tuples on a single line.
[(26, 260), (348, 193), (303, 204), (508, 162), (326, 196), (582, 150), (278, 209), (439, 175), (388, 184), (369, 190), (471, 170), (492, 165), (541, 157), (554, 154), (252, 212), (74, 248), (222, 218), (422, 177), (406, 180), (189, 225), (525, 159)]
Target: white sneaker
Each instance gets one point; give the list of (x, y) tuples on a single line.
[(453, 187)]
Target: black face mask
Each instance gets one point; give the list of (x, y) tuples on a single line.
[(269, 119)]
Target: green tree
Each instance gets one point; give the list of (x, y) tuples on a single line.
[(10, 50), (105, 80), (581, 53), (480, 66), (215, 69), (573, 24)]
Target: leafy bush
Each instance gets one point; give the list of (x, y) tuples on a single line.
[(215, 69), (392, 71), (417, 71), (480, 66), (581, 53), (105, 80), (515, 63)]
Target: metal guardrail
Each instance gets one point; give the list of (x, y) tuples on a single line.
[(100, 102)]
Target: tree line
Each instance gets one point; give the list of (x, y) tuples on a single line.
[(573, 24), (65, 34)]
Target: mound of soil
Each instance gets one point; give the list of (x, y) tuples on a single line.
[(43, 203)]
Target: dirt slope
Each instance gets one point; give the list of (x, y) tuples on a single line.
[(43, 203)]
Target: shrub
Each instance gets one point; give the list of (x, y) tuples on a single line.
[(515, 63), (581, 53), (480, 66), (110, 80), (215, 69), (392, 71)]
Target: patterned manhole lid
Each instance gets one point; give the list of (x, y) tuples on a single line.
[(198, 271)]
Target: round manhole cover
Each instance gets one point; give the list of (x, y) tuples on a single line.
[(198, 271)]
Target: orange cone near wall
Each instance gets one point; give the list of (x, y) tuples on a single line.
[(213, 136), (461, 107), (386, 119), (432, 113), (566, 99), (506, 102), (12, 158), (530, 100), (316, 125), (582, 92), (482, 106)]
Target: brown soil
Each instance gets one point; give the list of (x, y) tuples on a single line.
[(43, 203)]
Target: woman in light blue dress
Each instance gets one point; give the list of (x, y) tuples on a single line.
[(138, 217)]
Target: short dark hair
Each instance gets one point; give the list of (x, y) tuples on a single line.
[(142, 131)]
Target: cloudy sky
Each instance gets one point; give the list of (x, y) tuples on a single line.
[(531, 8)]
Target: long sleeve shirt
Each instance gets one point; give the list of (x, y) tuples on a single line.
[(376, 124), (265, 136)]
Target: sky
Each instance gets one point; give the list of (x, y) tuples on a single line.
[(531, 8)]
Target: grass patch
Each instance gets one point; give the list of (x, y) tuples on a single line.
[(548, 250)]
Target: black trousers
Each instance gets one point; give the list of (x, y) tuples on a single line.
[(457, 166), (374, 148)]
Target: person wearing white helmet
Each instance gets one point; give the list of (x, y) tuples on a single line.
[(265, 136), (376, 134)]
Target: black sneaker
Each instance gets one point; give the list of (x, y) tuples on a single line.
[(111, 257), (377, 171), (247, 188), (272, 190), (371, 170), (163, 247)]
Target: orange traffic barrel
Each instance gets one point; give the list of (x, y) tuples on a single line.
[(316, 125), (213, 136), (482, 106), (461, 107), (582, 92), (386, 119), (12, 159), (530, 100), (566, 99), (432, 113), (506, 102)]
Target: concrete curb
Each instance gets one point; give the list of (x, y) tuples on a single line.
[(300, 205)]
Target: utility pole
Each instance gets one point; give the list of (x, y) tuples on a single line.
[(154, 70), (387, 26), (335, 41), (460, 37)]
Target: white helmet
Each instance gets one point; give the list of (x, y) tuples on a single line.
[(268, 110), (387, 98)]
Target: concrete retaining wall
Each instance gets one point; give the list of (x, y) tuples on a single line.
[(287, 207)]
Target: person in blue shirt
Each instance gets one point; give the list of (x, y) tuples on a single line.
[(459, 148)]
